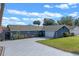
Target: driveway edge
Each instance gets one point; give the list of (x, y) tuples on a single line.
[(3, 50)]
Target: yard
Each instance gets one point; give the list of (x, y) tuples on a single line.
[(70, 44), (29, 47)]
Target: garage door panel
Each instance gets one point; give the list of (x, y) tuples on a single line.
[(49, 34)]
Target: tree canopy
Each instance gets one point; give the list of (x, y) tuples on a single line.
[(68, 20), (65, 20), (76, 22), (37, 22), (48, 21)]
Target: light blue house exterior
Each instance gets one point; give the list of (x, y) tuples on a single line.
[(24, 31)]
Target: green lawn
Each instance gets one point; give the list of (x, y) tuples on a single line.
[(70, 44)]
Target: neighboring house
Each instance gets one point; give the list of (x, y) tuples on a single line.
[(24, 31), (75, 30)]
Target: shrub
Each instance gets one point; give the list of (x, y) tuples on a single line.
[(72, 34), (66, 34)]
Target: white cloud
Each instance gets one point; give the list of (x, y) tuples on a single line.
[(33, 19), (73, 6), (21, 23), (48, 6), (6, 18), (12, 21), (24, 13), (66, 5), (74, 14), (24, 21), (72, 3), (17, 12), (62, 6), (34, 14), (49, 14)]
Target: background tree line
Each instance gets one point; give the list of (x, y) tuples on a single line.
[(66, 20)]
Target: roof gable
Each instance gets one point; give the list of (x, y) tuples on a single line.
[(54, 27), (25, 28), (34, 28)]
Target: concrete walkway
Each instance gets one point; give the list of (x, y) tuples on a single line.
[(28, 47)]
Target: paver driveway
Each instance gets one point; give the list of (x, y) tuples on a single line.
[(28, 47)]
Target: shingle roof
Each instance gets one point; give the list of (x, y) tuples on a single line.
[(71, 27), (53, 27), (34, 28), (25, 28)]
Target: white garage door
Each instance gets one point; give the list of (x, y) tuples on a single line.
[(49, 34)]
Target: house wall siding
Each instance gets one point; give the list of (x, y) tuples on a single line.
[(26, 34), (60, 32), (41, 33), (75, 31)]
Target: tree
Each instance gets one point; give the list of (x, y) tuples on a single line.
[(76, 22), (68, 20), (48, 21), (36, 22)]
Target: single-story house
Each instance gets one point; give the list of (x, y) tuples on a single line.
[(55, 31), (74, 29), (24, 31)]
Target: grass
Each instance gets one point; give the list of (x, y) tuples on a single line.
[(70, 44)]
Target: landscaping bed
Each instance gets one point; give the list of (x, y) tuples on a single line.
[(70, 44)]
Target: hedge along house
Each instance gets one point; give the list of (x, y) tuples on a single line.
[(24, 31)]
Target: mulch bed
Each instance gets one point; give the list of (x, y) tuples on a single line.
[(1, 50)]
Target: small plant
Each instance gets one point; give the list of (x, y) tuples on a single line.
[(66, 34), (72, 34)]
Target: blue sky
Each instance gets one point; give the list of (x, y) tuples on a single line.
[(26, 13)]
